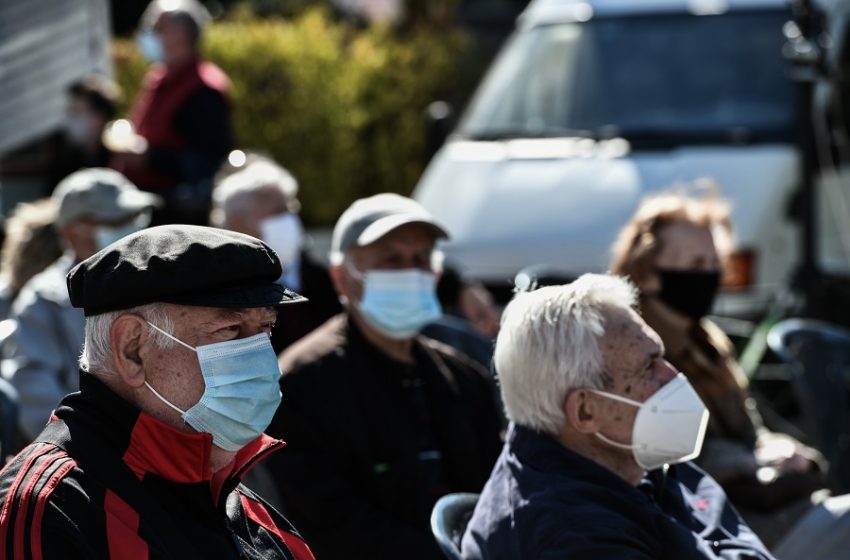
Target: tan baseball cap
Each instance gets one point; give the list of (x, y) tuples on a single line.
[(100, 194), (369, 219)]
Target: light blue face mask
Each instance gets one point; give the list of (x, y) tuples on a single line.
[(241, 391), (150, 46), (399, 303)]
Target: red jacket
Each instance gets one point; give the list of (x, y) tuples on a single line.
[(184, 114), (104, 480)]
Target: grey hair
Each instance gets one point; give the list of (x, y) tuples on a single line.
[(548, 345), (97, 352), (235, 193)]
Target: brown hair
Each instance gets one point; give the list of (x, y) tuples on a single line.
[(31, 243), (637, 244)]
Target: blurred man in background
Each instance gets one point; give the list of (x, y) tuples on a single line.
[(674, 249), (94, 208), (470, 318), (380, 422), (260, 199), (92, 103), (182, 112)]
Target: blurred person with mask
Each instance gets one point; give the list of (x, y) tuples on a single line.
[(596, 462), (182, 114), (92, 103), (95, 207), (380, 422), (178, 381), (674, 249), (31, 244), (470, 318), (260, 199)]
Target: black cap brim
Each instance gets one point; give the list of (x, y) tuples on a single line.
[(262, 295)]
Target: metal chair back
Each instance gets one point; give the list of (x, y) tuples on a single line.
[(449, 517), (818, 354)]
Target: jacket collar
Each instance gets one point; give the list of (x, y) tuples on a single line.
[(149, 446), (544, 454), (356, 337), (392, 370)]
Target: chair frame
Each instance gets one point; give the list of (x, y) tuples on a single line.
[(823, 393), (444, 518)]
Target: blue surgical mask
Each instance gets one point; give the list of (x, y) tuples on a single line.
[(399, 303), (150, 46), (241, 393)]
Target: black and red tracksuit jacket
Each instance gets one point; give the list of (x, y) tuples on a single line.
[(104, 480)]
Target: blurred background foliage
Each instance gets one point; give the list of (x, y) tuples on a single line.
[(339, 104)]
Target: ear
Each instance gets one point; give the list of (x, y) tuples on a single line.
[(338, 277), (582, 411), (345, 284), (127, 335), (79, 237), (72, 232)]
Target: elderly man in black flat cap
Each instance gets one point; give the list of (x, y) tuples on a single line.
[(178, 382)]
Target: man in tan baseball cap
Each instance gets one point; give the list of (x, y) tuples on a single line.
[(95, 207), (380, 420)]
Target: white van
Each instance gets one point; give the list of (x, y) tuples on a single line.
[(592, 105)]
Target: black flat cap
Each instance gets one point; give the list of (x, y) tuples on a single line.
[(188, 265)]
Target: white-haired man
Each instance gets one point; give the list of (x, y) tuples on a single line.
[(599, 419), (178, 382), (259, 199), (380, 422)]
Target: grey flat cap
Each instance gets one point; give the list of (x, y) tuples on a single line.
[(369, 219), (100, 194)]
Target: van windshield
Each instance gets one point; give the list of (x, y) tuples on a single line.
[(659, 80)]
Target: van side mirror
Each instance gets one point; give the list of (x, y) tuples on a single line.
[(438, 117)]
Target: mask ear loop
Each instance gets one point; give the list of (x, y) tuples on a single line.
[(172, 337), (610, 441), (617, 397), (148, 385), (621, 399), (163, 399)]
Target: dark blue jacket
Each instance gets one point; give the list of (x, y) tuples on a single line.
[(544, 501)]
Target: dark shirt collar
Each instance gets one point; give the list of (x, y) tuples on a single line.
[(543, 453), (358, 341)]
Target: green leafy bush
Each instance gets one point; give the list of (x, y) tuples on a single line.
[(341, 107)]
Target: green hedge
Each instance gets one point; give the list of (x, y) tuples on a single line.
[(341, 107)]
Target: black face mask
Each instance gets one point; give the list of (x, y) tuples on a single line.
[(689, 292)]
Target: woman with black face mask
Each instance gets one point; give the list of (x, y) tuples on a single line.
[(670, 251)]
